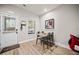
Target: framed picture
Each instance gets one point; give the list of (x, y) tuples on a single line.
[(49, 24), (31, 27)]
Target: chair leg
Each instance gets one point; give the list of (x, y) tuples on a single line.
[(36, 40), (47, 45), (43, 46), (41, 42)]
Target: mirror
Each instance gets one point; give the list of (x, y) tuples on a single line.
[(23, 23)]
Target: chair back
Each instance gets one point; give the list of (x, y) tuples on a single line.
[(38, 34), (50, 36)]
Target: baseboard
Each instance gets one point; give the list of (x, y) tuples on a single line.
[(27, 40), (62, 45)]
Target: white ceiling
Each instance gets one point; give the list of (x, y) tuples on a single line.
[(38, 9)]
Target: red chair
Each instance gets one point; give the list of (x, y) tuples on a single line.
[(73, 41)]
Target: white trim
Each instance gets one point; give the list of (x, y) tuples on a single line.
[(62, 45), (27, 40)]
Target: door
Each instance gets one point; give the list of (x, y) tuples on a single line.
[(8, 31)]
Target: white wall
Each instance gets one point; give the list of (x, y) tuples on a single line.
[(22, 14), (66, 21)]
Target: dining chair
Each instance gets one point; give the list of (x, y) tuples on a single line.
[(38, 37), (48, 40)]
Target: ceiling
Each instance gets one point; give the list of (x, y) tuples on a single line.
[(38, 9)]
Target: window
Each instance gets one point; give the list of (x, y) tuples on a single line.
[(9, 24)]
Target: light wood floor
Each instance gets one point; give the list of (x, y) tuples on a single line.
[(30, 48)]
